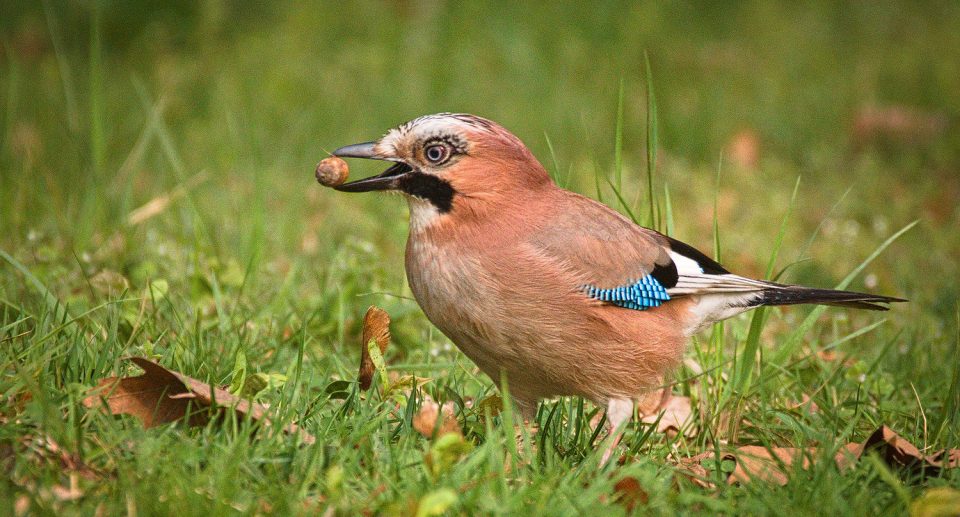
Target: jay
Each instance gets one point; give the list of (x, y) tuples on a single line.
[(555, 291)]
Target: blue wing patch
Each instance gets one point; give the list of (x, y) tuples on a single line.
[(644, 294)]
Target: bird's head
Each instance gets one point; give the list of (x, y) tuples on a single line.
[(449, 161)]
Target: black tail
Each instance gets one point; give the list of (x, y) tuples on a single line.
[(794, 294)]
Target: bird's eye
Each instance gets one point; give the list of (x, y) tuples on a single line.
[(437, 153)]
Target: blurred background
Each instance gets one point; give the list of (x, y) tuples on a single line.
[(176, 140)]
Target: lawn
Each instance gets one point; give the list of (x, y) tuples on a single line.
[(157, 200)]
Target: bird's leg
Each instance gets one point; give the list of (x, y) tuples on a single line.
[(527, 409), (619, 412)]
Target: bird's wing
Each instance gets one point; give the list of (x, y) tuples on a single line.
[(616, 261)]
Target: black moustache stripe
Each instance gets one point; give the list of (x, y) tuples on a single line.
[(427, 186)]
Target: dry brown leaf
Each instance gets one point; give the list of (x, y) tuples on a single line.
[(893, 449), (848, 455), (948, 459), (629, 492), (161, 396), (898, 452), (676, 417), (151, 397), (376, 325), (693, 469), (773, 465), (758, 463), (425, 421)]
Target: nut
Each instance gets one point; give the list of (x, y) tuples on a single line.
[(332, 171)]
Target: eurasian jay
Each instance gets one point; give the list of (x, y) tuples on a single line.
[(556, 291)]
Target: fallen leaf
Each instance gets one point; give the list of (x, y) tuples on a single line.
[(758, 463), (152, 397), (425, 421), (692, 468), (161, 396), (629, 492), (376, 326), (948, 459), (674, 417), (892, 448), (848, 456), (773, 465), (898, 452)]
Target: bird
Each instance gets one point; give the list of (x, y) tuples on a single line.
[(550, 291)]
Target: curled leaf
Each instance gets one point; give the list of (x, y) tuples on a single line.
[(773, 465), (376, 327), (161, 396)]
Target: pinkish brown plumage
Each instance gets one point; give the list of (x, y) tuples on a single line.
[(557, 292)]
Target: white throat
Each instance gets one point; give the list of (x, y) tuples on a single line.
[(423, 214)]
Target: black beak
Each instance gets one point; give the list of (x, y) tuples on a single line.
[(364, 150), (389, 180)]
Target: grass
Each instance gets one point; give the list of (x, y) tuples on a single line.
[(225, 110)]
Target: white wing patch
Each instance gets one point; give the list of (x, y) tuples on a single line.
[(718, 297), (692, 280), (685, 265)]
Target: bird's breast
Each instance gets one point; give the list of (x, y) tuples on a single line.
[(458, 296)]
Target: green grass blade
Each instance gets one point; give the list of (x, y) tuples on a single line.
[(668, 210), (742, 377), (716, 213), (98, 144), (553, 159), (652, 136), (53, 303), (623, 202), (618, 143)]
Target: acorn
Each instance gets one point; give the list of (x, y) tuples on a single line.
[(332, 171)]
